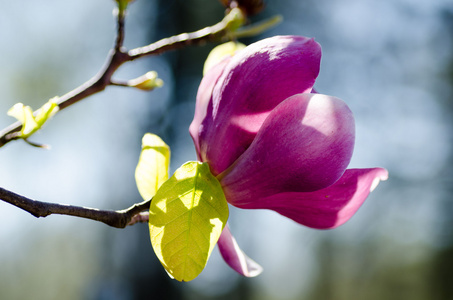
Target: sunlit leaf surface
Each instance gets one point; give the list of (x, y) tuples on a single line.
[(187, 216), (152, 167), (31, 123)]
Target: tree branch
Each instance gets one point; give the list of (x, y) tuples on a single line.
[(118, 56), (209, 34), (114, 218)]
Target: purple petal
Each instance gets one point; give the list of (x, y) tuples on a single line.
[(329, 207), (304, 145), (254, 82), (235, 257), (203, 97)]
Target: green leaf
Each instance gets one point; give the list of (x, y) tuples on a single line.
[(24, 114), (47, 111), (258, 28), (30, 122), (152, 167), (187, 216)]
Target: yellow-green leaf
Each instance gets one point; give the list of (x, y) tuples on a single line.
[(31, 123), (24, 114), (152, 167), (187, 216), (47, 111)]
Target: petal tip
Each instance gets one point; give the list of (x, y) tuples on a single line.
[(255, 270), (383, 175), (235, 257)]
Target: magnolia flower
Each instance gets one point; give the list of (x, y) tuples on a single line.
[(274, 143)]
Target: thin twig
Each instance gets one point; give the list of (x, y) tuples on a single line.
[(120, 30), (114, 218), (142, 217), (209, 34), (117, 57)]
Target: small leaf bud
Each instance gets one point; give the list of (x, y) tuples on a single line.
[(234, 19), (147, 82)]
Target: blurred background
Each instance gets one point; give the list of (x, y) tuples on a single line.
[(390, 60)]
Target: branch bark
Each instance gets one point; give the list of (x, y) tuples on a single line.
[(114, 218), (118, 56)]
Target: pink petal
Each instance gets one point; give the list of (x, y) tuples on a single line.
[(235, 257), (329, 207), (255, 81), (304, 145), (203, 97)]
